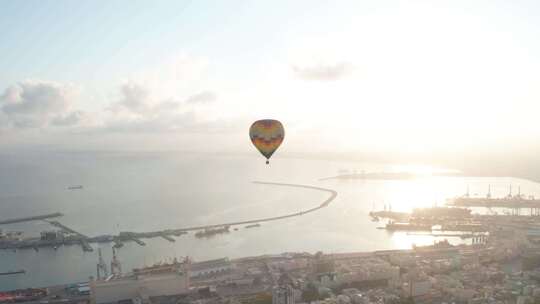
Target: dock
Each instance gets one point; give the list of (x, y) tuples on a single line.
[(168, 238), (517, 201), (31, 218), (138, 241), (67, 229), (393, 215)]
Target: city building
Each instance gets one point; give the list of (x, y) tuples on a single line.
[(210, 268), (283, 294)]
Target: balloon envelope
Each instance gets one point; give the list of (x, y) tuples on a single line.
[(267, 135)]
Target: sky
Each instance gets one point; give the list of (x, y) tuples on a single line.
[(400, 78)]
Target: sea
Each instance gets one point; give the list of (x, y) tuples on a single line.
[(144, 191)]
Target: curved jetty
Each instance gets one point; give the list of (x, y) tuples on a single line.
[(73, 237)]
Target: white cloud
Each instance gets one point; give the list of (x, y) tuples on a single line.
[(34, 104), (42, 104), (134, 98), (74, 118), (139, 111), (202, 98)]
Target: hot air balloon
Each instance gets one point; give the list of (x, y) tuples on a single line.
[(267, 135)]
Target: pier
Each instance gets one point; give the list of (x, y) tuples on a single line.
[(514, 202), (168, 238), (31, 218), (496, 203), (138, 241), (67, 229)]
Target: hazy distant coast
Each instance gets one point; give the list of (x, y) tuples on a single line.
[(386, 175)]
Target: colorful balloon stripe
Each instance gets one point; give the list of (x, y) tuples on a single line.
[(267, 135)]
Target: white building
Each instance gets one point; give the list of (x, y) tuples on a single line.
[(162, 280), (210, 268)]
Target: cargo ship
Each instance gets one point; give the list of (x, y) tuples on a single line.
[(253, 226), (392, 226), (22, 271)]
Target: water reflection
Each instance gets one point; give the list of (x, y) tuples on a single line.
[(182, 190)]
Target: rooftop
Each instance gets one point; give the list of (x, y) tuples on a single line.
[(210, 264)]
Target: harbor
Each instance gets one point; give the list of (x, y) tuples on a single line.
[(510, 201), (456, 220), (69, 236)]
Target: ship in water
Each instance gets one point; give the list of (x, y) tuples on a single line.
[(208, 232), (509, 201), (12, 272), (393, 226), (75, 187), (253, 226)]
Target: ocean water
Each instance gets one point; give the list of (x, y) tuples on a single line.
[(152, 191)]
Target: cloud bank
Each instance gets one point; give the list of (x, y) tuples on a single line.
[(40, 104), (138, 111), (36, 104)]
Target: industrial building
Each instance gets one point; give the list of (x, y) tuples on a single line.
[(141, 284)]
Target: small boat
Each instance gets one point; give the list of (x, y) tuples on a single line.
[(75, 187)]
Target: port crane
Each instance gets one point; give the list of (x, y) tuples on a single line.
[(102, 272), (116, 266)]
